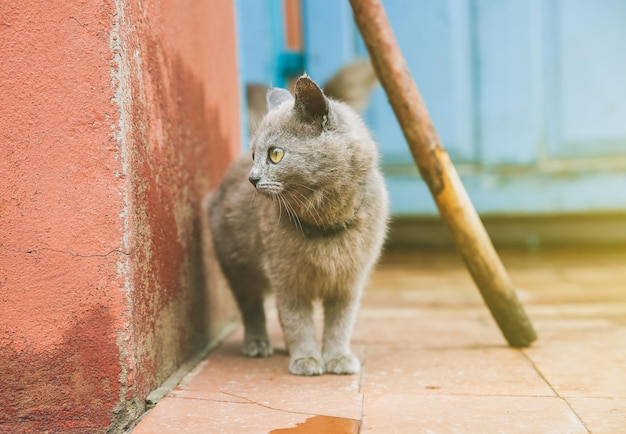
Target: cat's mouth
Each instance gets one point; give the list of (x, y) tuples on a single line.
[(269, 188)]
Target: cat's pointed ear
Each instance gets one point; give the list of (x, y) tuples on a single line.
[(311, 105), (276, 96)]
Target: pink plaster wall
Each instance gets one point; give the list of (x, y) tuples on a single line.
[(117, 117)]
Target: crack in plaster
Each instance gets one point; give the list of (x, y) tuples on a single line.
[(78, 22), (66, 252)]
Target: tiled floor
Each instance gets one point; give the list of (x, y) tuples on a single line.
[(434, 360)]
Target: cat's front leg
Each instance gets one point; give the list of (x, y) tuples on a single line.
[(256, 341), (339, 316), (296, 319), (248, 290)]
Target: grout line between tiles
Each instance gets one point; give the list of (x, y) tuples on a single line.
[(362, 371), (467, 395), (187, 367), (361, 413), (360, 391), (178, 377), (413, 344), (557, 394)]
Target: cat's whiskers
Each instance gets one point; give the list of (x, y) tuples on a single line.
[(281, 203), (318, 196), (308, 208), (292, 213), (305, 186), (280, 208)]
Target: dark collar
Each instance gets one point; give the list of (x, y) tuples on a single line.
[(325, 231)]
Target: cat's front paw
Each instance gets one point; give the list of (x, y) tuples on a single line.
[(342, 364), (257, 347), (307, 366)]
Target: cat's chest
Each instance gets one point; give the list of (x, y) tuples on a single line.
[(313, 271), (330, 256), (335, 255)]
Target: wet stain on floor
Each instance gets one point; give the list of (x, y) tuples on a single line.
[(322, 424)]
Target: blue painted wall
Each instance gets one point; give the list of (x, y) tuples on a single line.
[(528, 96)]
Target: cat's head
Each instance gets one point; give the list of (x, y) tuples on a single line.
[(309, 148)]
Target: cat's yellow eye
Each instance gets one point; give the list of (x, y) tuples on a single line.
[(276, 154)]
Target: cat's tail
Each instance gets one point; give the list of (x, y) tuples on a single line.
[(352, 84)]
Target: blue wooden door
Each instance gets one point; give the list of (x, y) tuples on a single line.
[(528, 97)]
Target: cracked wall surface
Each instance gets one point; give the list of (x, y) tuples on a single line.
[(119, 117)]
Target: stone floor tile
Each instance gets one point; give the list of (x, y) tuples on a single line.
[(227, 375), (601, 415), (427, 327), (395, 288), (200, 416), (613, 312), (434, 360), (583, 363), (471, 371), (407, 413), (553, 324)]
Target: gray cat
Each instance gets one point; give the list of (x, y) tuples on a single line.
[(305, 214)]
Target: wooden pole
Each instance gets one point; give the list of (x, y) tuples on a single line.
[(437, 170)]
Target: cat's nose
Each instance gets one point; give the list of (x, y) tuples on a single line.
[(254, 177)]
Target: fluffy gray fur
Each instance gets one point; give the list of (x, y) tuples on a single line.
[(310, 227)]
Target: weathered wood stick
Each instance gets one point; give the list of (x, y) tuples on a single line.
[(437, 170)]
